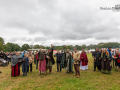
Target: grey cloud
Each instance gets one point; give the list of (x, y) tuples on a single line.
[(21, 39), (14, 39), (39, 39), (60, 19)]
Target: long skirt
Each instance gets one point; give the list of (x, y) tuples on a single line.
[(67, 68), (42, 65), (85, 67), (15, 70), (24, 67), (106, 67)]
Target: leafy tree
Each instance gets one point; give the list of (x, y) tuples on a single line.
[(2, 40), (17, 47), (1, 46), (36, 47), (10, 47), (31, 46), (83, 46), (42, 46), (25, 47)]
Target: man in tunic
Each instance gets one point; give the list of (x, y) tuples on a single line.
[(31, 60), (76, 58), (15, 65), (59, 58), (42, 61), (97, 59), (67, 61), (50, 60)]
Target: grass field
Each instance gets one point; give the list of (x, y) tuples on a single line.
[(88, 80)]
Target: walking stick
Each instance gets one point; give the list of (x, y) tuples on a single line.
[(113, 63)]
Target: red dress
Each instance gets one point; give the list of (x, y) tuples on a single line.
[(84, 59), (15, 70)]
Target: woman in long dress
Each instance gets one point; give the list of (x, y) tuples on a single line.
[(84, 60), (42, 61), (25, 64), (105, 62)]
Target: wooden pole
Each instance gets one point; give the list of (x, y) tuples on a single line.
[(113, 63)]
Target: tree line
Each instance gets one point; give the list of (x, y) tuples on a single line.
[(11, 47)]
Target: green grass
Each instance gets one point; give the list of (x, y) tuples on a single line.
[(88, 80)]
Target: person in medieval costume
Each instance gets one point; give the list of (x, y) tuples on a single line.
[(116, 58), (73, 52), (110, 55), (42, 61), (31, 60), (63, 61), (67, 61), (118, 61), (97, 59), (15, 64), (50, 60), (58, 56), (76, 58), (105, 62), (83, 60), (25, 64), (3, 56), (35, 59), (23, 55)]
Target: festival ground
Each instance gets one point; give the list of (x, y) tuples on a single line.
[(88, 80)]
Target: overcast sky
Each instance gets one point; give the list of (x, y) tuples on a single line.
[(59, 22)]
